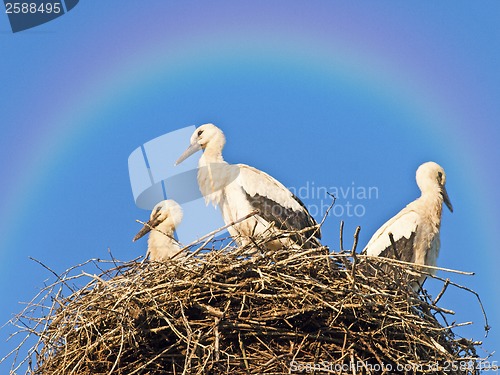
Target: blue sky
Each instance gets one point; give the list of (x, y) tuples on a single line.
[(336, 95)]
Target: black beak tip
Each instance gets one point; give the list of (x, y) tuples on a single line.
[(449, 205)]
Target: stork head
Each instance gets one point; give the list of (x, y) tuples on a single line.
[(207, 136), (431, 176), (167, 213)]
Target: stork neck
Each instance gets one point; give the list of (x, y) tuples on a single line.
[(433, 202), (167, 227), (211, 155), (158, 236)]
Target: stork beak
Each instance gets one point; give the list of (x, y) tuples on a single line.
[(147, 228), (189, 151), (446, 199)]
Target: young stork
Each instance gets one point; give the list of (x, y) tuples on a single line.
[(165, 217), (239, 189), (415, 229)]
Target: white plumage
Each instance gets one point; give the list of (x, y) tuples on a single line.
[(238, 189), (415, 228), (165, 217)]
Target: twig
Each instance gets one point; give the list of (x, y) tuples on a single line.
[(441, 293), (51, 271), (486, 325), (160, 231), (395, 261), (353, 255), (253, 213), (394, 248), (200, 248), (334, 199), (355, 242), (341, 235)]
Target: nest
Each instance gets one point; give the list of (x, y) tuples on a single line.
[(223, 312)]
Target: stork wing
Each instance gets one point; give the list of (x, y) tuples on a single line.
[(274, 201), (403, 227)]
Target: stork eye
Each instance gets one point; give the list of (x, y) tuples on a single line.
[(440, 176), (200, 132)]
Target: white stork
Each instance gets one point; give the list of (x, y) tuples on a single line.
[(239, 189), (165, 217), (415, 229)]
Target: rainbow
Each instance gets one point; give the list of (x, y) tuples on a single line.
[(176, 56)]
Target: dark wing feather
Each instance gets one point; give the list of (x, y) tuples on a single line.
[(403, 249), (284, 218)]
